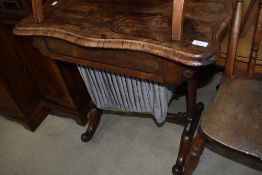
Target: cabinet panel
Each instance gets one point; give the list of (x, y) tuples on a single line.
[(32, 85), (7, 104), (17, 75), (46, 74)]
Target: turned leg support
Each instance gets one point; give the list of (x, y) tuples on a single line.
[(194, 154), (255, 42), (186, 139), (94, 117)]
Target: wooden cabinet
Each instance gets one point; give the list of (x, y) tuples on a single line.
[(20, 97), (31, 85)]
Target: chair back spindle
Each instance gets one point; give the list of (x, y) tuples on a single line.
[(255, 43), (233, 39), (251, 14), (37, 7), (177, 19), (229, 4)]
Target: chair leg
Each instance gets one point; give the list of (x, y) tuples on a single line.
[(186, 139), (94, 117), (194, 154)]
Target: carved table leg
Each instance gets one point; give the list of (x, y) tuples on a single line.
[(94, 117), (194, 154), (193, 115), (186, 139)]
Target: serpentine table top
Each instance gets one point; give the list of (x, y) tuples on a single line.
[(143, 25)]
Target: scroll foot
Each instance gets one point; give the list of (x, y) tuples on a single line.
[(194, 154), (93, 122), (186, 139)]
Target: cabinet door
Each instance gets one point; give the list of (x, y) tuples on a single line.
[(46, 73), (31, 85), (60, 83), (16, 75)]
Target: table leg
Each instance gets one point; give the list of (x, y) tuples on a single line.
[(191, 93), (195, 152), (194, 112), (94, 117)]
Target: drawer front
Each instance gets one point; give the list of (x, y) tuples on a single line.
[(134, 60), (132, 63)]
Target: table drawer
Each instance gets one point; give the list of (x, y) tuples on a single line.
[(133, 63)]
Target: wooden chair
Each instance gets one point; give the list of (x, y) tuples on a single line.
[(234, 119), (161, 41)]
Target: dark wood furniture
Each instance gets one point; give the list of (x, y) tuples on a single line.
[(32, 85), (234, 118), (20, 98), (142, 38), (250, 16)]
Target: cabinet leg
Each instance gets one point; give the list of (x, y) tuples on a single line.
[(94, 117), (186, 139), (194, 154)]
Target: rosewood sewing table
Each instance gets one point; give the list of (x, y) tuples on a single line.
[(134, 38)]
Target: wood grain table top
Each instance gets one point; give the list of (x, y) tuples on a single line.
[(135, 25)]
